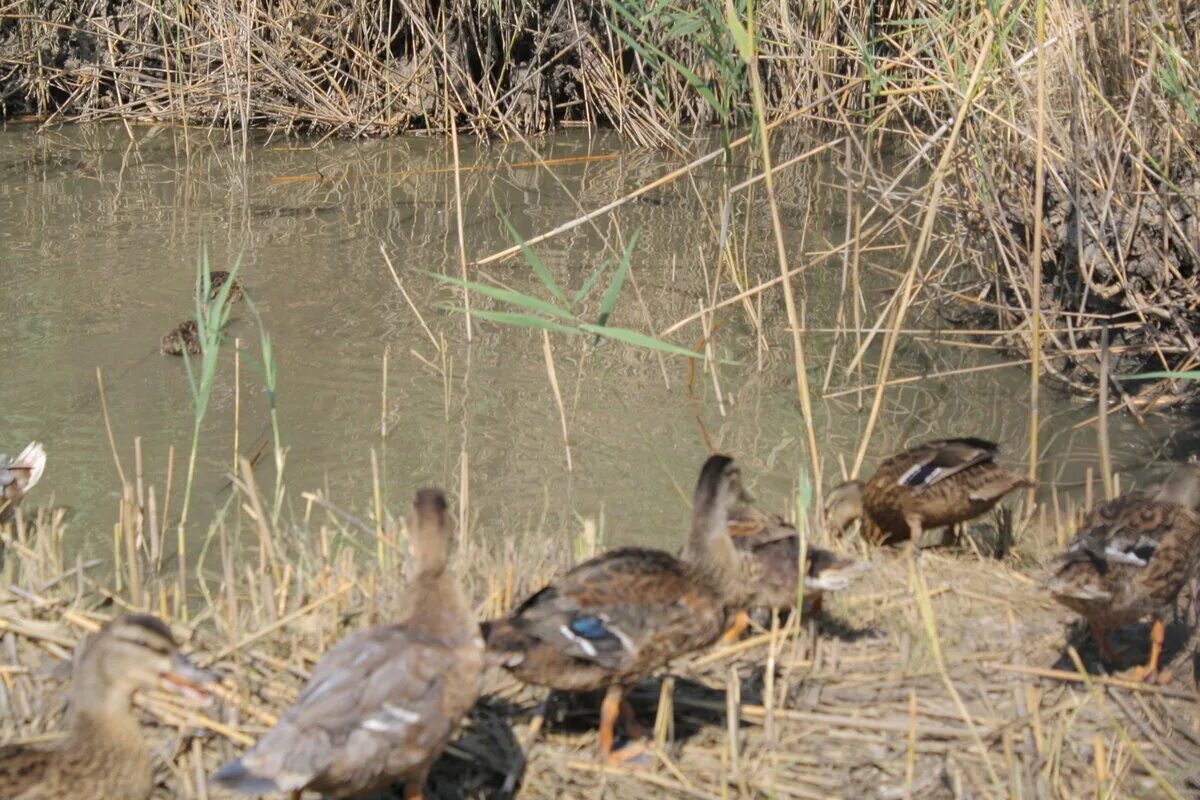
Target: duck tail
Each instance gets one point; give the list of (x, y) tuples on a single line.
[(32, 458), (238, 778), (506, 643)]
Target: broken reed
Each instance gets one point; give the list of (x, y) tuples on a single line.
[(922, 675)]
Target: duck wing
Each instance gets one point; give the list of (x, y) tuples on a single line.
[(607, 610), (19, 475), (376, 704), (938, 460)]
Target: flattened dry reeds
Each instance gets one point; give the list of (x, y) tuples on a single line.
[(950, 677)]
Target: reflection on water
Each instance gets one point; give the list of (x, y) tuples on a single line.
[(98, 241)]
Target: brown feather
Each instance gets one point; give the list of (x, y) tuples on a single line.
[(381, 705), (1099, 577), (103, 754), (770, 556), (183, 338), (966, 482)]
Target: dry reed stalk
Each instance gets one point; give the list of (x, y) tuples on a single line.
[(1106, 471), (458, 216), (1035, 258), (908, 288), (552, 375)]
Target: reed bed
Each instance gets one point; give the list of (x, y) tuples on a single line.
[(948, 676), (1055, 141)]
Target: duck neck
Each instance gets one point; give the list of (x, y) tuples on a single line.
[(435, 604), (710, 550), (103, 716)]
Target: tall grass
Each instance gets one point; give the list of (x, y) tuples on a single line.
[(212, 315)]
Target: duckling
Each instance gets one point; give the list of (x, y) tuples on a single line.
[(18, 476), (770, 555), (615, 619), (381, 705), (1130, 558), (183, 338), (217, 279), (937, 484), (103, 754)]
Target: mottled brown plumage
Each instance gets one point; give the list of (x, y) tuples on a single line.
[(103, 754), (382, 704), (219, 278), (1131, 557), (937, 484), (183, 338), (770, 554), (617, 618)]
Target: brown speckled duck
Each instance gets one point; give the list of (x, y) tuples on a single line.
[(615, 619), (770, 556), (103, 754), (937, 484), (382, 704), (183, 338), (1130, 558), (217, 279), (19, 475)]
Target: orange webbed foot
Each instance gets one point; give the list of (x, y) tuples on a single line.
[(634, 755)]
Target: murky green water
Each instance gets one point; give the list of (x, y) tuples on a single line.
[(98, 242)]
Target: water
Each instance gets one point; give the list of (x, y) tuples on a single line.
[(99, 234)]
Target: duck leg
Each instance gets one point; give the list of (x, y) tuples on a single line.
[(1107, 654), (1149, 672), (741, 621), (629, 721), (413, 787), (610, 709), (915, 528)]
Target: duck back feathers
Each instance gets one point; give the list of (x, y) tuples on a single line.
[(1129, 558), (940, 483), (381, 705), (612, 619), (769, 549)]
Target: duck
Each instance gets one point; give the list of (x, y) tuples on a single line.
[(19, 475), (103, 753), (769, 549), (1129, 559), (941, 483), (183, 338), (615, 619), (382, 703), (217, 279)]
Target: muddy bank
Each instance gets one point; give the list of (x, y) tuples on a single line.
[(1129, 259), (1119, 227)]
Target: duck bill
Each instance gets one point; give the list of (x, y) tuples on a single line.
[(188, 680)]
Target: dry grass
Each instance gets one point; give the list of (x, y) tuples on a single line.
[(951, 677)]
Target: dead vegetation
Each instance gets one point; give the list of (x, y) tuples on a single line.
[(954, 676)]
